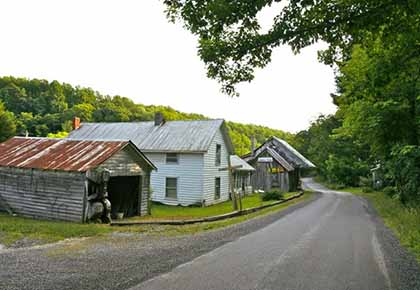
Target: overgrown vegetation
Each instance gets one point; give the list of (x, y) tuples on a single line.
[(40, 108), (274, 194)]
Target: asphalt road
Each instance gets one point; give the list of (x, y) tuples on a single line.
[(336, 242)]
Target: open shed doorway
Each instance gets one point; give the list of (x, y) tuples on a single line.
[(124, 193)]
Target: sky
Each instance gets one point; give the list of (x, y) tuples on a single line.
[(128, 48)]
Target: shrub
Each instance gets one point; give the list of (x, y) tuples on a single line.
[(272, 195), (404, 167), (367, 189), (390, 191), (365, 181)]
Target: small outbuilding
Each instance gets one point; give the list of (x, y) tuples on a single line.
[(278, 165), (73, 180), (242, 173)]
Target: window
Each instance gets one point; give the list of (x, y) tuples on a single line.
[(171, 158), (217, 188), (171, 187), (218, 154)]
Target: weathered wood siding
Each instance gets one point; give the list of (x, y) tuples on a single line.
[(55, 195), (189, 174), (123, 163), (144, 196), (211, 171)]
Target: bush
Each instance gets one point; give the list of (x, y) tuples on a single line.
[(365, 181), (404, 167), (367, 189), (272, 195), (390, 191)]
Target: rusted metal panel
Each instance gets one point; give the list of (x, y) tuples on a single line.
[(57, 154)]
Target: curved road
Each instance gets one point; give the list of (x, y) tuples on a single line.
[(336, 242)]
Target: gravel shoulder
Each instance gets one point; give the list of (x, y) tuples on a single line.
[(119, 261), (402, 265)]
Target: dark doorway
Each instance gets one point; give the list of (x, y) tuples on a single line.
[(123, 193)]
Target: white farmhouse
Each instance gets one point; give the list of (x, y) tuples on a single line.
[(190, 156)]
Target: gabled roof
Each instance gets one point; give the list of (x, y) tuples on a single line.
[(59, 154), (240, 164), (283, 153), (171, 136)]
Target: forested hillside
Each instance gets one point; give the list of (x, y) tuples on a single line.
[(39, 107)]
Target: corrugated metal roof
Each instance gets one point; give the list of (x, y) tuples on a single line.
[(294, 154), (57, 154), (236, 161), (282, 151), (172, 136)]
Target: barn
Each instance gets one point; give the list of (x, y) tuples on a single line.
[(278, 165), (73, 180)]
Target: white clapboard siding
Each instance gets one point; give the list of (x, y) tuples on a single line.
[(43, 194), (188, 171), (211, 171)]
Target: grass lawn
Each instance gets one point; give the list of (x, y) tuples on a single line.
[(161, 211), (13, 229), (17, 228), (202, 227), (404, 221)]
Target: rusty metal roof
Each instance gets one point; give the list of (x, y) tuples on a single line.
[(57, 154)]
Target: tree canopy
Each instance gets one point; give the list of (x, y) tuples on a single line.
[(42, 108), (232, 43)]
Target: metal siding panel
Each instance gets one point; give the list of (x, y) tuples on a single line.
[(172, 136)]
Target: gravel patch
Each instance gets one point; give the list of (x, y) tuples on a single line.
[(118, 261)]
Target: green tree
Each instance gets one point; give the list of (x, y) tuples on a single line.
[(7, 123), (232, 43)]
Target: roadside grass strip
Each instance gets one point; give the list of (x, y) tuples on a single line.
[(186, 215), (403, 221), (14, 229)]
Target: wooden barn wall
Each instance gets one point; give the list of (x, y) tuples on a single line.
[(262, 178), (43, 194), (145, 195), (123, 163)]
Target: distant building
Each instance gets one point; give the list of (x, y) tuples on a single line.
[(73, 180), (189, 156), (278, 165)]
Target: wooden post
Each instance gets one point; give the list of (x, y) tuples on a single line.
[(235, 198)]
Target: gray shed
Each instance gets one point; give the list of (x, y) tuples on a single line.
[(73, 180), (278, 165)]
